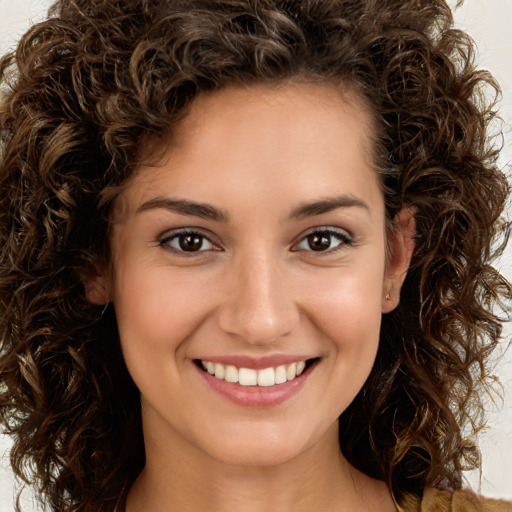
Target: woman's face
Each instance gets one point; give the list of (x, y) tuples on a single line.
[(256, 247)]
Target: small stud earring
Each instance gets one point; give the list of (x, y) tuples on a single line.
[(388, 297)]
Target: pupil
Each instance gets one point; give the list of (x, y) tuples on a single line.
[(319, 242), (191, 242)]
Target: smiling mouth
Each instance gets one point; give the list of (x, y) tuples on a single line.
[(265, 377)]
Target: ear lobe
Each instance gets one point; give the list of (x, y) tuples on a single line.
[(96, 289), (401, 247)]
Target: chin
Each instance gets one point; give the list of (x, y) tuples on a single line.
[(263, 447)]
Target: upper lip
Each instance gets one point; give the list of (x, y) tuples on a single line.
[(256, 363)]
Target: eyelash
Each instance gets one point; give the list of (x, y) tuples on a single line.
[(341, 235), (166, 240), (345, 239)]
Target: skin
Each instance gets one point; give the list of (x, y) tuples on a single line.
[(255, 288)]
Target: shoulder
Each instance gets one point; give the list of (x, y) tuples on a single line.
[(459, 501)]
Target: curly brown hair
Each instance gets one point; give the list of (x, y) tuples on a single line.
[(100, 85)]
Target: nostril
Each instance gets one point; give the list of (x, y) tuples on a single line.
[(259, 311)]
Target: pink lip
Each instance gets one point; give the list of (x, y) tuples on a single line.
[(256, 396), (257, 363)]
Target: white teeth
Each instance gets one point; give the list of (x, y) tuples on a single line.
[(280, 377), (291, 372), (231, 374), (219, 371), (249, 377), (266, 377)]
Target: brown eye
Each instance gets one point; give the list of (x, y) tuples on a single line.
[(187, 241), (319, 241), (325, 240), (190, 242)]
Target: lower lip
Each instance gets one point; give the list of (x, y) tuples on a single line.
[(257, 396)]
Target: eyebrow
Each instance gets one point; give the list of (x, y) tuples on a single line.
[(184, 207), (207, 211), (328, 205)]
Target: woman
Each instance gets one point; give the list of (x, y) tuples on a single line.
[(247, 256)]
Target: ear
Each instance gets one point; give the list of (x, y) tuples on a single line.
[(96, 287), (400, 249)]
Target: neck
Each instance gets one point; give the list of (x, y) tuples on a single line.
[(177, 479)]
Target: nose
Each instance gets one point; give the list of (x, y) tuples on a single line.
[(259, 306)]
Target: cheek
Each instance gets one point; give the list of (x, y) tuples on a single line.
[(156, 310), (345, 307), (347, 300), (349, 318)]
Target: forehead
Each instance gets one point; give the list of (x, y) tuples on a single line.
[(283, 110), (299, 136)]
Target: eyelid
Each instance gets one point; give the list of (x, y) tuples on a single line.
[(166, 236), (346, 237), (343, 234)]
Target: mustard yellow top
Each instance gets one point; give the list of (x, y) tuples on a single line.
[(459, 501)]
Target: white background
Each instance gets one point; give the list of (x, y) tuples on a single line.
[(490, 23)]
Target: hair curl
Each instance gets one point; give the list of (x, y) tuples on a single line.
[(94, 89)]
